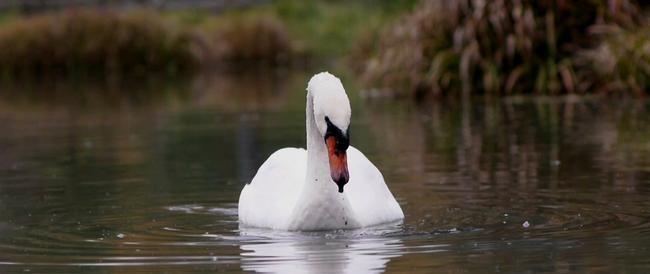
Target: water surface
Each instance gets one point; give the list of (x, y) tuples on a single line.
[(92, 181)]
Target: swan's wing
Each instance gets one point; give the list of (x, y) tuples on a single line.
[(367, 192), (268, 200)]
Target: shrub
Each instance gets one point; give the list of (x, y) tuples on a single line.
[(77, 41), (501, 46), (620, 63), (251, 39)]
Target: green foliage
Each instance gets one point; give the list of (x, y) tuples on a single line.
[(499, 47), (330, 28)]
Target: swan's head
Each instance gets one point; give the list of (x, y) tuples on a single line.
[(332, 116)]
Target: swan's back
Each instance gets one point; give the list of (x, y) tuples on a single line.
[(270, 197)]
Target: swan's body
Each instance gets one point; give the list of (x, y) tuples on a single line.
[(294, 190)]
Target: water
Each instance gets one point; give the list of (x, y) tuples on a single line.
[(95, 182)]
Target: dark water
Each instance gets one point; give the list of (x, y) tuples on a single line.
[(94, 182)]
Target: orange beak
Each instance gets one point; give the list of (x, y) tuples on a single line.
[(338, 162)]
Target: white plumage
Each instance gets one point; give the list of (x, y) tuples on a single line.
[(294, 190)]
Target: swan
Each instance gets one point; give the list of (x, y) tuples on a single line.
[(331, 185)]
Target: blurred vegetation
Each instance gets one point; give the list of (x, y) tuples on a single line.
[(509, 46), (252, 39), (90, 41), (620, 62), (402, 48), (108, 41), (329, 28)]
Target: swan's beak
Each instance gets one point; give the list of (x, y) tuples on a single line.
[(336, 148)]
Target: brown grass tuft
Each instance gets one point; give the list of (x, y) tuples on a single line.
[(620, 63), (498, 47), (79, 41), (257, 39)]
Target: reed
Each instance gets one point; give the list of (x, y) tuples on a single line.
[(495, 47), (620, 63)]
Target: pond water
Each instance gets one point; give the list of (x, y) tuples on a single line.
[(92, 182)]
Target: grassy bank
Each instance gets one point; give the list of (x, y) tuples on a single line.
[(95, 41), (506, 47), (99, 41), (104, 41)]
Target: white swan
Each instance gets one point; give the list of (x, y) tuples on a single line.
[(296, 189)]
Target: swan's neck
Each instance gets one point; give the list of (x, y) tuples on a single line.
[(317, 161), (318, 177), (320, 206)]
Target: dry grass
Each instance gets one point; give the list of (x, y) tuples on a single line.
[(620, 63), (251, 39), (107, 42), (498, 47), (82, 41)]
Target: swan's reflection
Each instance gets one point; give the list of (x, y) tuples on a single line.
[(319, 253)]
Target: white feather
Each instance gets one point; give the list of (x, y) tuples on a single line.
[(293, 189)]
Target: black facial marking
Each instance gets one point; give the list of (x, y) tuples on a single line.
[(342, 140)]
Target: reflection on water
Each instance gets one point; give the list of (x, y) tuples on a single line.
[(323, 252), (96, 181)]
